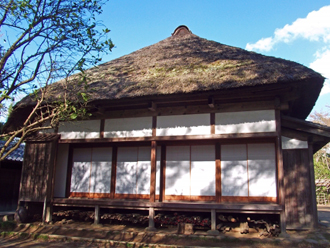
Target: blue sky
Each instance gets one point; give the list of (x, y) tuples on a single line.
[(297, 30)]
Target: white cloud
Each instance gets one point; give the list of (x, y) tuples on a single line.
[(326, 88), (314, 27), (322, 65), (265, 44)]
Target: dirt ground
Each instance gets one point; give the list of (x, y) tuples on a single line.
[(74, 234)]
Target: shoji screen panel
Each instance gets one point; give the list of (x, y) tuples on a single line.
[(101, 170), (203, 170), (133, 170), (126, 170), (262, 170), (81, 168), (234, 181), (177, 180), (143, 170)]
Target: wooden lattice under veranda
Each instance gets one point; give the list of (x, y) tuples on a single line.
[(321, 197)]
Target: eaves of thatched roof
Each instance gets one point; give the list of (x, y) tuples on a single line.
[(186, 64)]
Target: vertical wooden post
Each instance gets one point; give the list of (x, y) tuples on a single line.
[(97, 215), (44, 209), (213, 230), (218, 172), (154, 126), (49, 212), (212, 123), (280, 172), (113, 172), (69, 171), (151, 226), (162, 173), (53, 162), (153, 171), (312, 182), (102, 123)]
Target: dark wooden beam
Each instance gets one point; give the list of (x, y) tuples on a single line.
[(191, 206), (172, 138), (211, 102), (152, 106)]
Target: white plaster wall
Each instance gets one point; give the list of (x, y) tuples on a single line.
[(289, 143), (81, 170), (128, 127), (101, 170), (203, 170), (262, 170), (61, 170), (198, 124), (245, 122), (177, 180), (234, 170), (89, 129)]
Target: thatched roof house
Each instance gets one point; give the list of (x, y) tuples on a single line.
[(188, 65), (186, 124)]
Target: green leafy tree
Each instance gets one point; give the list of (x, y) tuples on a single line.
[(322, 157), (43, 41)]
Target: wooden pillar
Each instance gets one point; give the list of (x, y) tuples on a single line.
[(151, 226), (213, 230), (312, 182), (162, 173), (280, 172), (113, 172), (97, 215), (218, 172), (153, 171), (47, 211)]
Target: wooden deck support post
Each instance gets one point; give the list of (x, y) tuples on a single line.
[(97, 215), (49, 212), (213, 230), (151, 226)]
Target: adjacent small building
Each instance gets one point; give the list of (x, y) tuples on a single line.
[(186, 124), (10, 177)]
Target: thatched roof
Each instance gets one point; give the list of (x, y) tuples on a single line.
[(184, 64)]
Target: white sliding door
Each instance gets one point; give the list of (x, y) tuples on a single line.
[(177, 170), (143, 170), (262, 170), (101, 170), (234, 179), (190, 170), (81, 170), (91, 170), (126, 170), (133, 170), (203, 170)]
